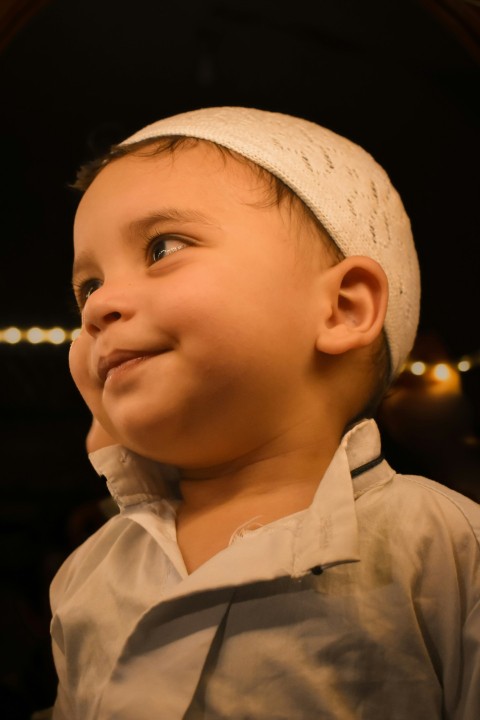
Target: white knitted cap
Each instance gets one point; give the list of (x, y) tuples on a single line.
[(349, 193)]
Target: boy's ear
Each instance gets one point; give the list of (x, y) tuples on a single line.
[(354, 296)]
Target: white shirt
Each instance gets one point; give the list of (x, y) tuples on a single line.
[(390, 628)]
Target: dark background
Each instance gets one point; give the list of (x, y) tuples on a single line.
[(398, 77)]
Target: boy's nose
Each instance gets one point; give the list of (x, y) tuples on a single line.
[(104, 307)]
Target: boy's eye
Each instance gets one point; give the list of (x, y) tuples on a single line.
[(85, 289), (162, 246)]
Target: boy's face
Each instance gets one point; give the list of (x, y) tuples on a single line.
[(199, 312)]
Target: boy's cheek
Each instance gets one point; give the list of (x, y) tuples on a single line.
[(79, 368)]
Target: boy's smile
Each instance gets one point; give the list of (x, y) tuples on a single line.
[(112, 365), (198, 337)]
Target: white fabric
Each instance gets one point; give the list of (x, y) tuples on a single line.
[(391, 628), (340, 182)]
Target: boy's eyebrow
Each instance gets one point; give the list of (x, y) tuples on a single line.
[(143, 224), (167, 215)]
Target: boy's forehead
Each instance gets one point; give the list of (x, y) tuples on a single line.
[(176, 167), (198, 174)]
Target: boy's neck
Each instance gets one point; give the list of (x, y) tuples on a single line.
[(218, 501)]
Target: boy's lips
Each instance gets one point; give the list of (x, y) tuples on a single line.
[(113, 360)]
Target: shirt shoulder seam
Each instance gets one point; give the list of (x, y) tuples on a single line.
[(454, 498)]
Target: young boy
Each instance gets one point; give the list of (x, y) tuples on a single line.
[(249, 286)]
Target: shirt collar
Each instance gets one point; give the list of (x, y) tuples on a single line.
[(328, 534), (131, 478), (324, 534)]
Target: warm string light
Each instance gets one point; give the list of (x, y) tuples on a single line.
[(442, 371), (37, 335)]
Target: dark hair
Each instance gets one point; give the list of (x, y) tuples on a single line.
[(276, 193)]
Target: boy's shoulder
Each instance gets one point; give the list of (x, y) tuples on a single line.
[(437, 503), (428, 528), (444, 499), (412, 502)]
